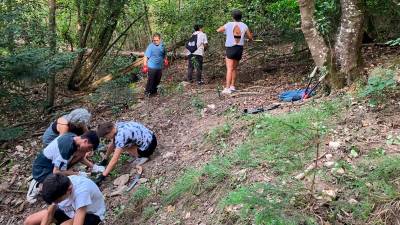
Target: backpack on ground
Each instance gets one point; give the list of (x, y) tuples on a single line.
[(191, 45)]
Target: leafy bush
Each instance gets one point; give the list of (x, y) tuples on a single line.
[(33, 63), (380, 83), (117, 93), (7, 134)]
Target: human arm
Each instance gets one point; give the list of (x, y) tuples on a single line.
[(221, 29), (86, 162), (70, 172), (80, 215), (249, 35), (48, 217), (113, 162), (145, 59), (62, 125)]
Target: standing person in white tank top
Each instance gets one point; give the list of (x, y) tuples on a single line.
[(234, 32)]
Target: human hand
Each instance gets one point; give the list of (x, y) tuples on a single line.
[(166, 62), (99, 179), (98, 169), (83, 174), (145, 69)]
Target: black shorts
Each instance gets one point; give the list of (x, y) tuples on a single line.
[(234, 52), (90, 219), (149, 150)]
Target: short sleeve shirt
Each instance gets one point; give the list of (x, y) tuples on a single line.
[(132, 133), (230, 40), (60, 150), (156, 55), (201, 41), (85, 193)]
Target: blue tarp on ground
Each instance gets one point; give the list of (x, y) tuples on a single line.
[(293, 95)]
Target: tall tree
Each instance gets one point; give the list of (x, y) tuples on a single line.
[(51, 82), (85, 66), (342, 59)]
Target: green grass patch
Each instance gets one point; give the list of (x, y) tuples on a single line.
[(284, 142), (267, 203), (219, 135), (373, 182)]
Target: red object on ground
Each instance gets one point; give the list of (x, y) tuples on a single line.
[(166, 63), (145, 69)]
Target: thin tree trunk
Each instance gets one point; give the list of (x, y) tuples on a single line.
[(51, 82), (10, 32)]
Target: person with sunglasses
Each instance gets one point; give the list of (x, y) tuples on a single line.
[(155, 58)]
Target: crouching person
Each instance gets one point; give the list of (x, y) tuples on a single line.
[(131, 137), (59, 156), (74, 200)]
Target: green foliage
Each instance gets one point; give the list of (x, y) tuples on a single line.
[(33, 63), (140, 194), (197, 103), (8, 134), (148, 212), (176, 21), (327, 14), (117, 93), (218, 135), (268, 204), (372, 182), (185, 183), (380, 83)]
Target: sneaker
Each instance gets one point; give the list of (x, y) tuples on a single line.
[(33, 191), (200, 82), (140, 161), (232, 88), (226, 91)]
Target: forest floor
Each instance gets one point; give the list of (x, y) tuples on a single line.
[(213, 162)]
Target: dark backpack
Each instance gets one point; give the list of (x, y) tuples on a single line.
[(191, 45)]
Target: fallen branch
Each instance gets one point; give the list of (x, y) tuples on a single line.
[(246, 93)]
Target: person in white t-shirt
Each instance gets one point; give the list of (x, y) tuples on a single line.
[(73, 200), (235, 32), (195, 59)]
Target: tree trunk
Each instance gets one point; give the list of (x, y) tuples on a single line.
[(342, 62), (10, 30), (51, 82), (84, 68), (348, 44)]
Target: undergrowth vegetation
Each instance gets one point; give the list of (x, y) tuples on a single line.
[(286, 143)]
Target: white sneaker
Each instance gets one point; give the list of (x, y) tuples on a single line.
[(232, 88), (226, 91), (33, 191), (140, 161)]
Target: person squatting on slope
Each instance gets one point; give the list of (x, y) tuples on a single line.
[(234, 32), (72, 200), (155, 57), (195, 47), (131, 137), (77, 122), (58, 158)]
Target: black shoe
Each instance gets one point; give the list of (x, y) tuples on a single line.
[(200, 82)]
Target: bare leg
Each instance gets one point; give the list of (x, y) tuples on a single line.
[(68, 222), (36, 218), (133, 151), (228, 72), (235, 64)]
